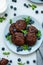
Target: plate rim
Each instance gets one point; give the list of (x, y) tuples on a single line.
[(36, 2), (17, 52)]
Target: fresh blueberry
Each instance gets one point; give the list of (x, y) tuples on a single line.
[(27, 6), (14, 14), (10, 61), (9, 64), (27, 62), (14, 0), (42, 25), (15, 8), (7, 34), (34, 61), (24, 4), (41, 0), (36, 11), (3, 49), (19, 59), (29, 48), (41, 11), (6, 15), (19, 49), (11, 7), (38, 38), (31, 21)]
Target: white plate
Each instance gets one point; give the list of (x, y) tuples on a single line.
[(3, 6), (12, 47), (37, 1)]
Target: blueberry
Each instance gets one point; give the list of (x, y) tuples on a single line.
[(24, 4), (30, 20), (15, 8), (36, 11), (19, 49), (19, 59), (14, 14), (27, 62), (8, 34), (6, 15), (3, 49), (29, 48), (42, 12), (42, 25), (14, 0), (10, 61), (9, 64), (27, 6), (30, 23), (11, 7), (41, 0), (34, 61), (38, 38)]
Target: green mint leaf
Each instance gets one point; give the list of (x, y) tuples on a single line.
[(6, 53), (20, 63), (24, 31), (29, 5), (33, 6), (9, 38), (10, 21), (27, 20), (2, 19), (38, 34), (25, 47)]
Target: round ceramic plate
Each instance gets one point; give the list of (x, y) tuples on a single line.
[(3, 7), (37, 1), (13, 47)]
